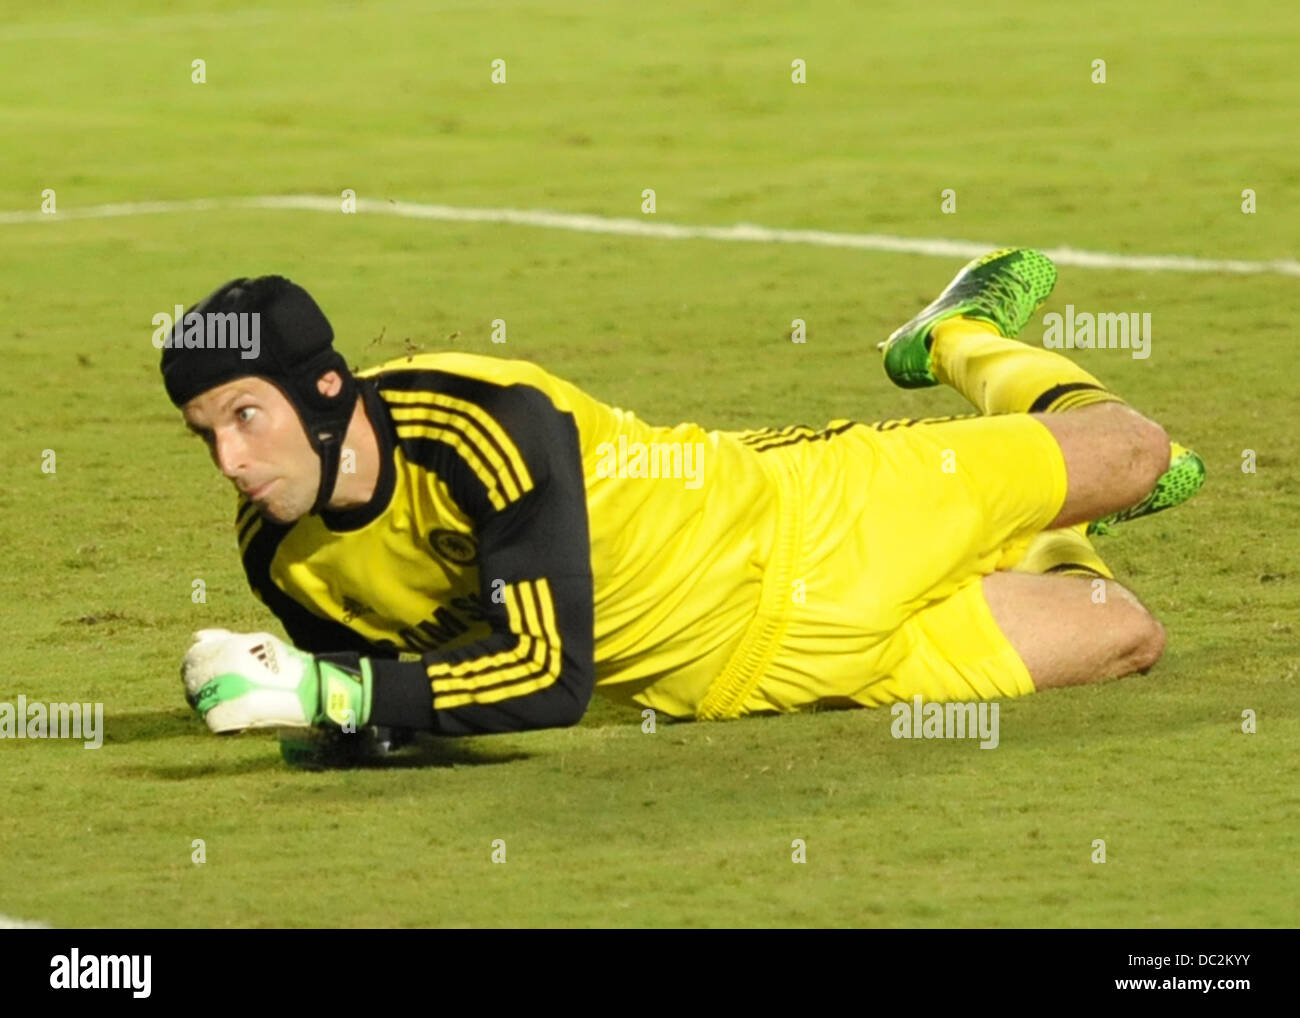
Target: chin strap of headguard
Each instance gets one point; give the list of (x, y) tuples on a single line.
[(329, 450)]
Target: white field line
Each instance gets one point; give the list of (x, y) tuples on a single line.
[(741, 232)]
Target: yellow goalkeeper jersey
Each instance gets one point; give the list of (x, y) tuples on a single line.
[(529, 542)]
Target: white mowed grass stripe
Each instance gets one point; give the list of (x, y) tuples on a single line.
[(741, 232), (117, 25), (9, 923)]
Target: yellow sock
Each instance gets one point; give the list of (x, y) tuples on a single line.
[(1002, 376), (1065, 550)]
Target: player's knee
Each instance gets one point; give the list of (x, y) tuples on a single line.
[(1134, 450), (1153, 646), (1146, 643), (1150, 454)]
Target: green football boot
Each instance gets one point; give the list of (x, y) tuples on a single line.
[(1004, 289), (1180, 482)]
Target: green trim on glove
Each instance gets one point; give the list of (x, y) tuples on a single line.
[(345, 696), (217, 691)]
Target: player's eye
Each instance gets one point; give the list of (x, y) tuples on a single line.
[(245, 414)]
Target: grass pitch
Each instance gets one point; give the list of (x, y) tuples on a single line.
[(604, 824)]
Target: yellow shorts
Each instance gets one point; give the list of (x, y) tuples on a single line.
[(897, 524)]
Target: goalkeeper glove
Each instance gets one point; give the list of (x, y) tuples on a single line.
[(237, 681)]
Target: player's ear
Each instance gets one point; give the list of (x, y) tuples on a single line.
[(329, 384)]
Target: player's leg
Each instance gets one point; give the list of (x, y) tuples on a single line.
[(1113, 458), (998, 637), (1070, 630), (961, 340), (1118, 461), (1082, 630), (1001, 375), (1064, 550)]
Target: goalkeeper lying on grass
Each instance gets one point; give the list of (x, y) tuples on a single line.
[(530, 543)]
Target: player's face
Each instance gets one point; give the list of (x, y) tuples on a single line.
[(257, 440)]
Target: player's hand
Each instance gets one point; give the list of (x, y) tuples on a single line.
[(237, 681)]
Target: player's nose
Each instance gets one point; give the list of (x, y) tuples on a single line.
[(229, 454)]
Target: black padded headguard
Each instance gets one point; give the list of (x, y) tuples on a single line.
[(295, 348)]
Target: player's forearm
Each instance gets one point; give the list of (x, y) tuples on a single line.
[(535, 670), (404, 696)]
